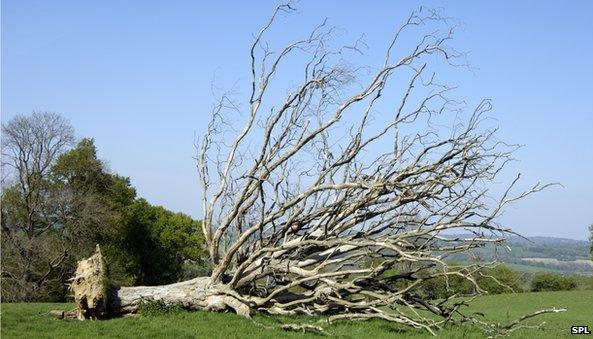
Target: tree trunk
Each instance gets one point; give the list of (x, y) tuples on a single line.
[(96, 298)]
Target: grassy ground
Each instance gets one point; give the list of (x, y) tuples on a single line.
[(32, 321)]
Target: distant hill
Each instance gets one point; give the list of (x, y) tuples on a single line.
[(537, 254)]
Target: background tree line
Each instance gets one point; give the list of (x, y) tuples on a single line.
[(498, 279), (59, 200), (503, 279)]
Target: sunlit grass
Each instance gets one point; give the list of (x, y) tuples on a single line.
[(32, 321)]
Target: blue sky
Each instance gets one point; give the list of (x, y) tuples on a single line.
[(136, 76)]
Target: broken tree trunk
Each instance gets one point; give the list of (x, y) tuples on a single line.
[(96, 298)]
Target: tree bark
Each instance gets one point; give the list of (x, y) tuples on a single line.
[(96, 298), (197, 294)]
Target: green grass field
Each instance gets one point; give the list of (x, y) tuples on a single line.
[(32, 321)]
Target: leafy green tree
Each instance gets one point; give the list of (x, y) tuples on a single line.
[(441, 287), (95, 199), (58, 202), (155, 244), (547, 281), (499, 279), (144, 244), (494, 280)]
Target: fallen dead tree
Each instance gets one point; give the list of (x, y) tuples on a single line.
[(96, 298), (339, 200)]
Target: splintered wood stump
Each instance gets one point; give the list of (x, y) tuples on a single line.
[(96, 298), (90, 287)]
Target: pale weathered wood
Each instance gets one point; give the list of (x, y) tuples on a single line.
[(96, 298), (90, 287), (303, 216), (191, 294)]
